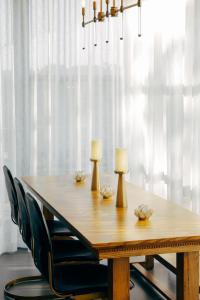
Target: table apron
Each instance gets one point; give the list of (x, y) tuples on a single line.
[(117, 252)]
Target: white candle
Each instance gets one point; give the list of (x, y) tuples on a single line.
[(83, 3), (121, 160), (96, 150)]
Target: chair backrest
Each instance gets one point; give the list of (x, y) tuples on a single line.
[(12, 196), (23, 213), (41, 241)]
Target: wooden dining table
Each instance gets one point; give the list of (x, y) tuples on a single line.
[(116, 234)]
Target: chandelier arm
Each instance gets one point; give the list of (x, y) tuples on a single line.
[(130, 6), (89, 22)]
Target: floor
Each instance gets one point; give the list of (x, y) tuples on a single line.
[(20, 264)]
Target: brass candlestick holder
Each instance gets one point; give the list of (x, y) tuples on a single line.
[(95, 186), (121, 191)]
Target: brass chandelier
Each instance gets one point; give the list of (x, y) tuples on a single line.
[(113, 11)]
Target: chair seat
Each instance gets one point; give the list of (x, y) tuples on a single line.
[(58, 228), (80, 279), (71, 250)]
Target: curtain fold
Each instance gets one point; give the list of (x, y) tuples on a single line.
[(140, 93)]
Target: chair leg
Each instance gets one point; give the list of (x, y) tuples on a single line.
[(21, 280)]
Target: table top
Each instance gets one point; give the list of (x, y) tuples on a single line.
[(104, 226)]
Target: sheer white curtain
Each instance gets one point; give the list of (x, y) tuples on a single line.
[(8, 232), (142, 93)]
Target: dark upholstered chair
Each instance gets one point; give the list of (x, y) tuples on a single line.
[(64, 250), (56, 227), (23, 213), (65, 279), (12, 196), (14, 204)]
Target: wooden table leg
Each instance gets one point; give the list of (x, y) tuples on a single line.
[(119, 278), (187, 276), (148, 264)]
